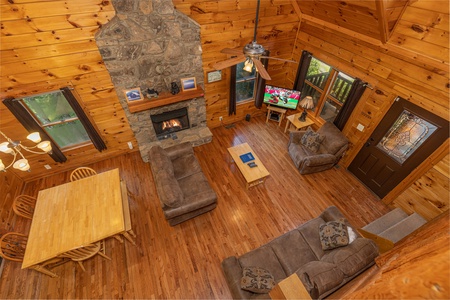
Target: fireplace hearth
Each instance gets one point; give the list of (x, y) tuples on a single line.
[(167, 123)]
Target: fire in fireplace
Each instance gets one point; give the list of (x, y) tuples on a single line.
[(169, 122)]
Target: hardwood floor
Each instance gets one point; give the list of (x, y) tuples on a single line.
[(184, 261)]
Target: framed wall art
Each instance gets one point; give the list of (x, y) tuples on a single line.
[(133, 94), (214, 76), (188, 84)]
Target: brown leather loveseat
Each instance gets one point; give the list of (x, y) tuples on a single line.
[(183, 190)]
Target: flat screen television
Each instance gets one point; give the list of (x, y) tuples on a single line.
[(281, 97)]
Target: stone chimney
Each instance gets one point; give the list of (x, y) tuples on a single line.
[(149, 44)]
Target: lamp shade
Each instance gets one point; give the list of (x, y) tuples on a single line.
[(248, 65), (45, 146), (22, 165), (34, 137), (307, 103), (4, 147)]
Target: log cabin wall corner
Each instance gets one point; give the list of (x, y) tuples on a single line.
[(49, 45)]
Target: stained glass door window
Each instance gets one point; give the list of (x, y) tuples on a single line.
[(405, 136)]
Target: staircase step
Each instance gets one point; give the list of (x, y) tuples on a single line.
[(384, 222), (406, 226)]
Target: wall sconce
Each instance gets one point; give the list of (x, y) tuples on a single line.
[(14, 148), (306, 103)]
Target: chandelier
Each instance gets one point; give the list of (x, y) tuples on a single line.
[(15, 147)]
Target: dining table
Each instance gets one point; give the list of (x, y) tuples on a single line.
[(76, 214)]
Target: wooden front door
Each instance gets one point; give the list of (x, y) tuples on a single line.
[(405, 137)]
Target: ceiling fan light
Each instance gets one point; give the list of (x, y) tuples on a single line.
[(2, 166), (22, 165), (34, 137), (248, 65)]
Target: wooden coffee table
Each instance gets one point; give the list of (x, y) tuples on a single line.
[(253, 176)]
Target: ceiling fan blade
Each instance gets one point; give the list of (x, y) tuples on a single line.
[(260, 67), (232, 51), (282, 59), (229, 62)]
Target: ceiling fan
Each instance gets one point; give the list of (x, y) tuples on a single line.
[(251, 54)]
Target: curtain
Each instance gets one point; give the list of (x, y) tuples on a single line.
[(358, 88), (303, 66), (31, 125), (232, 102), (95, 137), (261, 82)]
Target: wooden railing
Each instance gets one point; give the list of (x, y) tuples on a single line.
[(340, 90)]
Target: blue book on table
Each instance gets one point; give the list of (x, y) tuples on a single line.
[(247, 157)]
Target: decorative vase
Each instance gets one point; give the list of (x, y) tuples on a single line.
[(174, 88)]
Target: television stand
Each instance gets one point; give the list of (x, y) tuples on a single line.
[(273, 111)]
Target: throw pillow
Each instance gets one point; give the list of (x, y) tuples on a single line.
[(257, 280), (333, 234), (312, 140)]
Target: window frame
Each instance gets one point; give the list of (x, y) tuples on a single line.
[(246, 79), (325, 93), (65, 121)]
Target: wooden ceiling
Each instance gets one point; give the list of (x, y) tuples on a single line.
[(374, 18)]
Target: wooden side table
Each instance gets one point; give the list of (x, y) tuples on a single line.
[(290, 288), (278, 110), (293, 121)]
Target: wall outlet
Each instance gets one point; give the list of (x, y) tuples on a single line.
[(360, 127), (47, 167), (220, 118), (130, 145)]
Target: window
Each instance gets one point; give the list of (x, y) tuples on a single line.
[(57, 118), (245, 83), (328, 87)]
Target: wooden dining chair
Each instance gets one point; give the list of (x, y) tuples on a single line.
[(81, 172), (12, 247), (86, 252), (24, 205)]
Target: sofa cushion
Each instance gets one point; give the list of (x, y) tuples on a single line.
[(310, 232), (312, 140), (257, 280), (263, 257), (292, 251), (185, 166), (169, 191), (323, 274), (353, 258), (159, 160), (333, 234)]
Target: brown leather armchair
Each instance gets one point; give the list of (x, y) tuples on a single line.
[(330, 151)]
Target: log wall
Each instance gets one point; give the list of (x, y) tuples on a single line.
[(48, 45), (230, 24), (399, 68)]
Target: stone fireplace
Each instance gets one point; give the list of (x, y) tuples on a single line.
[(149, 44), (166, 124)]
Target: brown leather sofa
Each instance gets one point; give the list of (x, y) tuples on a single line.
[(330, 151), (183, 190), (300, 251)]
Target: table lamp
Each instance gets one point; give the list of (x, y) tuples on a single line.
[(306, 103)]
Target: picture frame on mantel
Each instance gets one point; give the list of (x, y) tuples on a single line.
[(133, 94), (188, 84)]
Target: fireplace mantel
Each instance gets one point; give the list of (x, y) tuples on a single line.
[(164, 98)]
